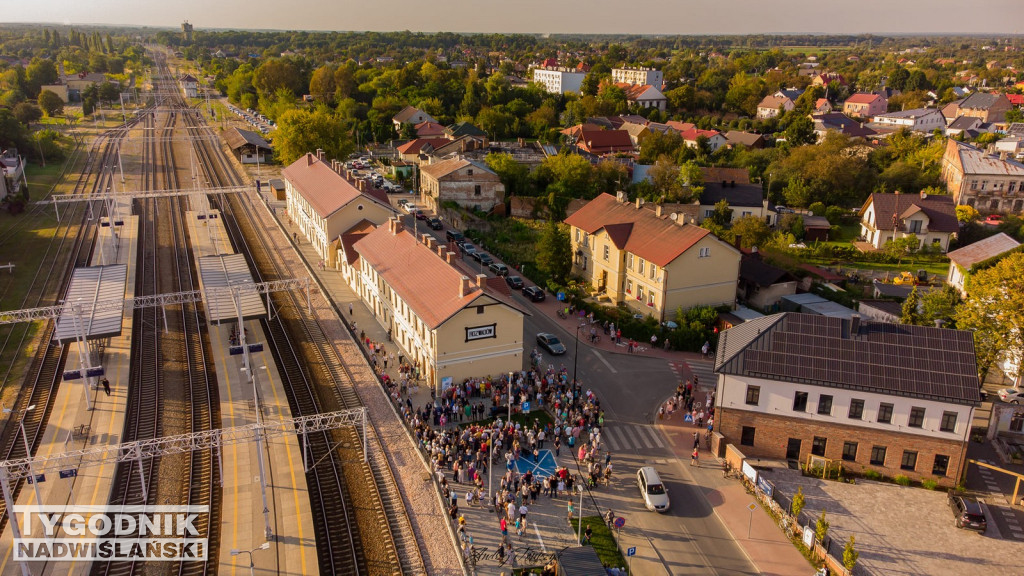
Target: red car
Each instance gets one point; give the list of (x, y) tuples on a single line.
[(994, 219)]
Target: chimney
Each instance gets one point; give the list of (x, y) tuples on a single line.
[(449, 257), (939, 322), (362, 185), (429, 241), (320, 153), (481, 280), (309, 159), (395, 226), (924, 195), (657, 210), (620, 196), (463, 286), (737, 242), (442, 250)]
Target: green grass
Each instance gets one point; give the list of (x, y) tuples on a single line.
[(540, 417), (602, 540)]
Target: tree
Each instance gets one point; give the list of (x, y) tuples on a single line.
[(27, 112), (752, 231), (797, 193), (321, 84), (554, 253), (909, 313), (898, 248), (797, 505), (940, 305), (38, 73), (850, 554), (966, 214), (666, 179), (800, 132), (722, 215), (51, 103), (817, 208), (514, 175), (994, 311), (275, 74), (821, 527), (300, 131)]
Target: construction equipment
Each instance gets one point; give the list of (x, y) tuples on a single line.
[(905, 279)]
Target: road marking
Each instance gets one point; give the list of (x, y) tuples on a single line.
[(603, 361), (539, 537), (615, 438), (654, 435)]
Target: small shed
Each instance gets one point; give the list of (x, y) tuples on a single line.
[(816, 228), (250, 147), (277, 185)]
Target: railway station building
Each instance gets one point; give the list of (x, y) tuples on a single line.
[(454, 326), (325, 205)]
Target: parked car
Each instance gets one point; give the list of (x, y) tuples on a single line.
[(435, 224), (994, 219), (514, 282), (420, 215), (652, 489), (409, 207), (1011, 395), (484, 258), (551, 343), (468, 248), (967, 512), (453, 235), (499, 269), (534, 293), (402, 201)]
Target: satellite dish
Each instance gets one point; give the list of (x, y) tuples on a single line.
[(674, 216)]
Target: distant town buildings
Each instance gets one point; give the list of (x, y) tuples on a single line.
[(638, 76), (559, 80)]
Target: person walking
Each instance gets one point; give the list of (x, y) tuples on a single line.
[(106, 386), (694, 457), (350, 309), (570, 509)]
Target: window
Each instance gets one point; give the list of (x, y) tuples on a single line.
[(1013, 186), (704, 252), (709, 213), (469, 172), (650, 298), (639, 292), (606, 252), (878, 455), (479, 309), (856, 408), (1017, 423), (753, 395), (653, 267), (800, 402), (974, 184), (885, 413), (909, 461), (825, 404), (818, 446), (916, 417), (640, 266), (476, 190), (850, 451), (984, 183), (941, 465), (915, 226), (629, 261), (747, 436), (948, 423), (629, 286), (577, 235)]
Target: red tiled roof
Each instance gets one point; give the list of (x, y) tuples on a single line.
[(680, 126), (1015, 99), (862, 98), (655, 239), (414, 146), (694, 133), (428, 129), (605, 141), (324, 189)]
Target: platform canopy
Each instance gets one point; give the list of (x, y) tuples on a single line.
[(89, 286), (218, 274)]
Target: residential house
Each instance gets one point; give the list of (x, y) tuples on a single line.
[(411, 150), (962, 260), (637, 132), (70, 86), (12, 174), (453, 326), (1011, 146), (470, 184), (324, 205), (650, 261), (249, 146), (881, 310), (924, 120), (985, 181), (189, 86), (828, 79), (680, 126), (895, 399), (430, 129), (410, 115), (762, 285), (601, 142), (743, 199), (931, 218), (559, 80), (638, 76), (644, 96), (988, 106), (460, 129), (715, 138), (725, 174), (838, 122), (748, 139), (784, 100), (822, 106), (968, 127), (865, 105)]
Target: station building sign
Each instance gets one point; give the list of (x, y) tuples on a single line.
[(481, 332)]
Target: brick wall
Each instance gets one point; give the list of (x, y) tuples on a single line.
[(772, 434)]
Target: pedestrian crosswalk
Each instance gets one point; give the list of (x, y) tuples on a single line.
[(618, 436)]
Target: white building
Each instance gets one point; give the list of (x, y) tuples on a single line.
[(559, 80), (638, 76), (924, 120), (190, 86)]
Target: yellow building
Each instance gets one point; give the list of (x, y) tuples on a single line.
[(325, 205), (455, 326), (651, 262)]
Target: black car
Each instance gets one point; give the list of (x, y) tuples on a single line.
[(455, 236), (551, 343), (534, 293), (967, 512), (514, 282), (484, 258), (435, 224)]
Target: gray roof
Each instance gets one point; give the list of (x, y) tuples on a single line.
[(1017, 128), (964, 123), (236, 138), (980, 100), (750, 195), (890, 307), (893, 359), (975, 161), (982, 250), (912, 113), (90, 286), (219, 272)]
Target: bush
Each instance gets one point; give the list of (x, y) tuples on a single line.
[(872, 474), (902, 480), (929, 484)]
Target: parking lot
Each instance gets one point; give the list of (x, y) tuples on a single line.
[(903, 530)]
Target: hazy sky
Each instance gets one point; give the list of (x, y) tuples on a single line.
[(544, 16)]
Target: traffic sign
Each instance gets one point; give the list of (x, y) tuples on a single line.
[(752, 506), (620, 522), (631, 551), (39, 478), (69, 473), (526, 407)]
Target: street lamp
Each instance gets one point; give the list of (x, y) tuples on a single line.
[(236, 552), (28, 450), (576, 355)]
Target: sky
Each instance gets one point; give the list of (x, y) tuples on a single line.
[(544, 16)]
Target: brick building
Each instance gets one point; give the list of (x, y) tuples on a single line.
[(985, 181), (470, 184), (896, 399)]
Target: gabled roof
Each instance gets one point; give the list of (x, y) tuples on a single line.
[(445, 167), (982, 250), (464, 129), (744, 138), (791, 93), (773, 101), (236, 138), (640, 91), (604, 141), (405, 115), (427, 129), (693, 133), (739, 195), (981, 100), (863, 98), (756, 271), (965, 123), (679, 126), (324, 189), (912, 113), (841, 123), (893, 359), (427, 284), (940, 209), (725, 174), (639, 231), (415, 146)]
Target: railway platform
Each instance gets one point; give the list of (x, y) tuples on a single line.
[(73, 426), (243, 523)]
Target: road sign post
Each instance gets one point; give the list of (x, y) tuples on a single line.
[(752, 506), (630, 552)]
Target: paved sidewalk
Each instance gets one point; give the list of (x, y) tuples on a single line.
[(756, 532)]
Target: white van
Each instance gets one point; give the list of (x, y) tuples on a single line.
[(652, 489)]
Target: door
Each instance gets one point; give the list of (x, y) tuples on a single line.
[(793, 449)]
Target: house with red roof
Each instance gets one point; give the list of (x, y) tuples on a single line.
[(454, 324), (930, 218), (601, 142), (411, 150), (865, 105), (325, 205), (715, 138), (644, 95), (652, 261), (430, 129)]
